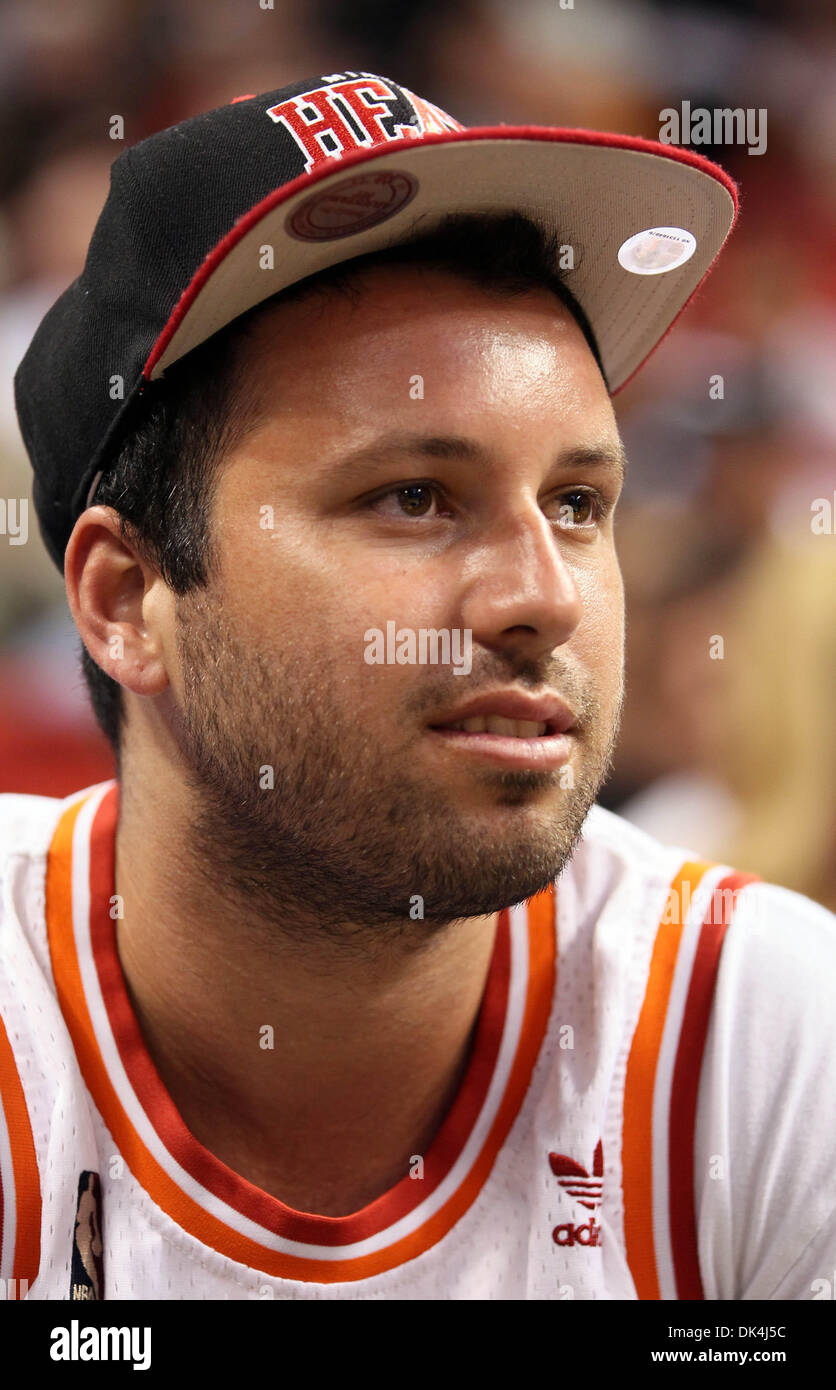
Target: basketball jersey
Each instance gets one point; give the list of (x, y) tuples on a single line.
[(647, 1111)]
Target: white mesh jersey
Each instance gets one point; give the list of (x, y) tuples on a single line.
[(647, 1112)]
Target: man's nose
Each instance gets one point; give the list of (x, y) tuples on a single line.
[(521, 591)]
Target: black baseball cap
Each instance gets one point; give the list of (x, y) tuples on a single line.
[(208, 218)]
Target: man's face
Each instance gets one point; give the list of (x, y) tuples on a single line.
[(371, 802)]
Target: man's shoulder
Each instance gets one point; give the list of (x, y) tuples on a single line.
[(747, 1010), (41, 1090), (28, 822), (606, 832), (780, 955), (28, 827), (764, 1115), (776, 941)]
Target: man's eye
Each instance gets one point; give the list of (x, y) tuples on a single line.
[(409, 500), (580, 509)]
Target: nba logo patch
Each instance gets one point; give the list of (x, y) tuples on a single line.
[(87, 1276)]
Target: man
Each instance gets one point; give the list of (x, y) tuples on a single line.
[(345, 987)]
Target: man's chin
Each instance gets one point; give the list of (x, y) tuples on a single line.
[(442, 912), (481, 875)]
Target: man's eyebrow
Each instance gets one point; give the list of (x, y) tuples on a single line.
[(435, 446)]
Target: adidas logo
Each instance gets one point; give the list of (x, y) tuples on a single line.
[(575, 1180), (587, 1190)]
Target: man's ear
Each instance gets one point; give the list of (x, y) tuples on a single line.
[(121, 605)]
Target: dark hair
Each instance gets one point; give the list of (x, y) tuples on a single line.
[(161, 480)]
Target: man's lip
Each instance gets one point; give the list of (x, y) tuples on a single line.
[(546, 754), (514, 704)]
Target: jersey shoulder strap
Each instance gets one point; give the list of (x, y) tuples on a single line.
[(662, 1081), (26, 827)]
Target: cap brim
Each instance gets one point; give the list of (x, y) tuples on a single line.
[(594, 190)]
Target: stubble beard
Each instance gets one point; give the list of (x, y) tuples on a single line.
[(344, 843)]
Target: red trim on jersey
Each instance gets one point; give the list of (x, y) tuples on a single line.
[(557, 135), (211, 1172), (685, 1084), (70, 951)]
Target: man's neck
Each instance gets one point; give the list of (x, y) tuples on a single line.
[(315, 1073)]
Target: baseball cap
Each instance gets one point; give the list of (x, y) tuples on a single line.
[(209, 217)]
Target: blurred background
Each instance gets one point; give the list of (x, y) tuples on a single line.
[(727, 747)]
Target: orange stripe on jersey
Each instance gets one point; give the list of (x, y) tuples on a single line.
[(637, 1135), (685, 1084), (27, 1184), (195, 1218)]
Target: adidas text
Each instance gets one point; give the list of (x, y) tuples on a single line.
[(570, 1234)]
